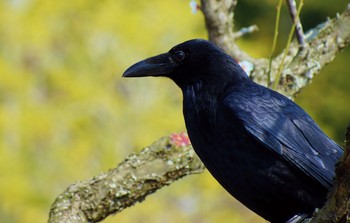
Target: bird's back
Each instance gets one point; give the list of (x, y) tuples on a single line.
[(249, 163)]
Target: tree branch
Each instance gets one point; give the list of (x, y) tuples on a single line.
[(219, 20), (299, 32), (139, 175), (325, 41)]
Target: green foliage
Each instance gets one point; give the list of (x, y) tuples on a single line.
[(66, 113)]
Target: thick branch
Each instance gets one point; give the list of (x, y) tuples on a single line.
[(219, 22), (325, 41), (139, 175)]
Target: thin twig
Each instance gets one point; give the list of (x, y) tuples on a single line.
[(245, 31), (286, 50), (278, 8), (298, 27)]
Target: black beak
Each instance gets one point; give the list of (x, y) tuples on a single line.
[(160, 65)]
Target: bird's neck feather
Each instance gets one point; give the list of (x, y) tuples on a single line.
[(209, 85)]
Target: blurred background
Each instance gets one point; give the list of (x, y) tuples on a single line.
[(66, 114)]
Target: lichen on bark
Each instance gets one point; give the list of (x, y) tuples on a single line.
[(139, 175)]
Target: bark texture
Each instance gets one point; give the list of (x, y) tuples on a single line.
[(325, 41), (139, 175)]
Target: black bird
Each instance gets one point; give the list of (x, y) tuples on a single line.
[(260, 146)]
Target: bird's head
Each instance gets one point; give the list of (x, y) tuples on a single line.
[(191, 62)]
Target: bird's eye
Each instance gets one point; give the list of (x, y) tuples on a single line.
[(179, 56)]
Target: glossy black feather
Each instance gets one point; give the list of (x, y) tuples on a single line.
[(262, 148), (285, 128)]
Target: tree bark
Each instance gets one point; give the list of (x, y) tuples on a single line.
[(325, 41), (172, 157), (139, 175)]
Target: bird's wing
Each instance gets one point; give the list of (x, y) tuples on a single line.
[(285, 128)]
